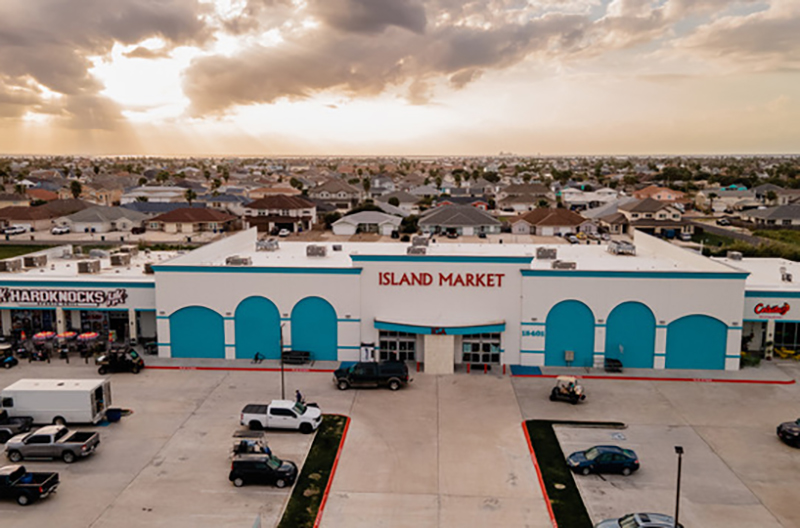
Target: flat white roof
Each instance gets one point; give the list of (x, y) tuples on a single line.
[(765, 273), (56, 384)]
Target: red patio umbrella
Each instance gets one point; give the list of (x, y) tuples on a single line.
[(88, 336), (67, 335), (44, 336)]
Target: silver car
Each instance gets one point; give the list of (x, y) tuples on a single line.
[(640, 520)]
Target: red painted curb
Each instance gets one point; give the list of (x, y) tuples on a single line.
[(242, 369), (644, 378), (539, 475), (333, 472)]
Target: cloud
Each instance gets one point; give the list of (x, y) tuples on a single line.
[(51, 42), (140, 52), (370, 16)]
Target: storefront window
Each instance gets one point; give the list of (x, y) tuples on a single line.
[(480, 348), (786, 335), (32, 321), (399, 346)]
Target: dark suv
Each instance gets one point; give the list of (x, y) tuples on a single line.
[(262, 469), (392, 374)]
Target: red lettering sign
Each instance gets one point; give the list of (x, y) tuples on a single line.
[(465, 280), (762, 308)]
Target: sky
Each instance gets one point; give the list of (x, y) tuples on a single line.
[(399, 77)]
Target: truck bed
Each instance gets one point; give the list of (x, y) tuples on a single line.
[(78, 437)]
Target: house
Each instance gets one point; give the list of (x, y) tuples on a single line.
[(157, 208), (14, 200), (579, 200), (381, 185), (228, 203), (520, 189), (771, 194), (390, 209), (780, 215), (406, 201), (154, 194), (477, 202), (608, 217), (280, 211), (662, 194), (37, 194), (549, 222), (336, 192), (460, 219), (522, 203), (424, 191), (102, 219), (190, 220), (41, 217), (721, 200), (367, 222), (285, 190), (654, 217)]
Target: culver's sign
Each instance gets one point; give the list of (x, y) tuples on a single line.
[(47, 297), (767, 308)]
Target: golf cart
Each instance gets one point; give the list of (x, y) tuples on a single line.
[(7, 358), (120, 360), (567, 389)]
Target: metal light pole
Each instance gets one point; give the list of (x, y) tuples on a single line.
[(283, 390), (679, 451)]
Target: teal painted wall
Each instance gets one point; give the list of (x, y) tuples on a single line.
[(569, 326), (314, 328), (633, 326), (197, 332), (696, 342), (257, 325)]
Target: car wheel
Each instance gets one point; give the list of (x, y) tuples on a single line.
[(135, 369), (102, 371), (280, 483), (255, 425), (585, 471), (394, 384), (575, 401), (15, 456), (7, 365), (238, 482), (343, 384), (68, 457), (23, 499), (306, 428), (59, 420), (626, 471)]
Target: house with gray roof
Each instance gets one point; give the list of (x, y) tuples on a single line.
[(407, 201), (461, 219), (781, 215), (366, 222), (102, 219), (336, 192)]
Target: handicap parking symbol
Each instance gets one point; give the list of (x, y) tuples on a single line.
[(618, 436)]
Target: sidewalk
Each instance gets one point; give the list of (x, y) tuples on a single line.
[(268, 365)]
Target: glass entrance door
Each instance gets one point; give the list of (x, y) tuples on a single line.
[(481, 349), (397, 346)]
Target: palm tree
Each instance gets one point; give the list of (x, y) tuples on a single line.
[(711, 198), (75, 188), (190, 195)]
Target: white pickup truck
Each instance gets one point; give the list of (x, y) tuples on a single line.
[(281, 414)]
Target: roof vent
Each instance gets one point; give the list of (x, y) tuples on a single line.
[(544, 253), (416, 250), (563, 265), (89, 266), (35, 261), (419, 241), (133, 250), (148, 268), (337, 247), (236, 260), (11, 265), (316, 251), (785, 277), (737, 255), (267, 245)]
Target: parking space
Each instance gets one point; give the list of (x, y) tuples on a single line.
[(736, 472), (168, 463)]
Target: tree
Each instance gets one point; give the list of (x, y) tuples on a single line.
[(366, 184), (19, 188), (330, 218), (142, 181), (216, 184), (162, 176), (297, 184), (772, 196), (409, 224), (75, 188), (457, 178), (711, 198), (190, 195), (96, 169), (207, 174), (226, 175), (395, 201), (142, 199)]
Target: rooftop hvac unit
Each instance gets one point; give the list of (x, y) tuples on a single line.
[(785, 277), (35, 261), (11, 265), (267, 245), (89, 266), (337, 247), (148, 268), (621, 247), (316, 251), (121, 259), (98, 253), (131, 249), (543, 253), (420, 241), (236, 260), (563, 265), (416, 250), (734, 255)]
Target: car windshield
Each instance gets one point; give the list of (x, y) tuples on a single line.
[(299, 408), (591, 454), (629, 521), (274, 462)]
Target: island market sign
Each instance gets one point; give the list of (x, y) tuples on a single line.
[(466, 280), (45, 297)]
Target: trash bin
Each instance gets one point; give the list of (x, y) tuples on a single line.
[(113, 414), (103, 238)]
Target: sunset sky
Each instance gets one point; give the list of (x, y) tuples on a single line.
[(371, 77)]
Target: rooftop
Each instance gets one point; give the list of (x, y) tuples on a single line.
[(765, 273)]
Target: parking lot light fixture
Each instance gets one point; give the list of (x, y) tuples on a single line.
[(679, 452)]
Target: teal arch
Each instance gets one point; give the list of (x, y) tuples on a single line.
[(197, 332), (696, 342), (569, 326), (632, 326), (314, 329), (257, 326)]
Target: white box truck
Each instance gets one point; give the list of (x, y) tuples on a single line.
[(58, 401)]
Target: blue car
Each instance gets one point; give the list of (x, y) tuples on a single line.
[(604, 459)]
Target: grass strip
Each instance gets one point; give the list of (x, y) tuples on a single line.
[(11, 250), (309, 490), (565, 499)]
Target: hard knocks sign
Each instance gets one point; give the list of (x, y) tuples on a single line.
[(47, 297)]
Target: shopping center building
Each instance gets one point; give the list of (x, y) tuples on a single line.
[(442, 305)]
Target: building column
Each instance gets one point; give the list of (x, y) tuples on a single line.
[(230, 338), (61, 325), (660, 359), (733, 352), (770, 338), (439, 354), (133, 329), (162, 326), (5, 319), (75, 320), (599, 346)]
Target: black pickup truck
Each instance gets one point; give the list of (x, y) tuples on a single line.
[(13, 426), (392, 374), (24, 487)]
